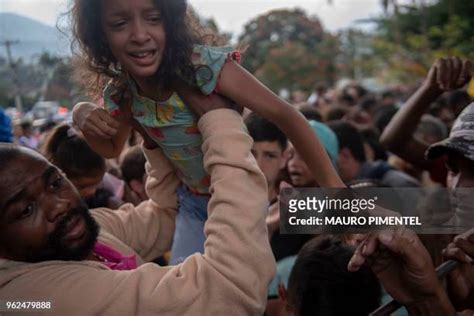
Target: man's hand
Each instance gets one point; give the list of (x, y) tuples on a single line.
[(94, 120), (401, 263), (460, 283), (201, 104), (448, 74)]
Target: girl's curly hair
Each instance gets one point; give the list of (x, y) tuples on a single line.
[(95, 57)]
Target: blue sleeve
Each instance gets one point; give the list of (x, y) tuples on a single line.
[(208, 62)]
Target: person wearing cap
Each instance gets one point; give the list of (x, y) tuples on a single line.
[(299, 172), (458, 149), (444, 75), (455, 153)]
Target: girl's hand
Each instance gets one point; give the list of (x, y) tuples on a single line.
[(201, 104), (94, 120)]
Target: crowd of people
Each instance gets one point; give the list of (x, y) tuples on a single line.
[(162, 195)]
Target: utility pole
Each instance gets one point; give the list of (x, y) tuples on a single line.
[(8, 44)]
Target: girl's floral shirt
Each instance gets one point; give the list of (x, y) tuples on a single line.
[(172, 124)]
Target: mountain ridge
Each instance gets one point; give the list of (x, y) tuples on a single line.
[(34, 37)]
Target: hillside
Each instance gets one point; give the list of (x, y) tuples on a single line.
[(33, 37)]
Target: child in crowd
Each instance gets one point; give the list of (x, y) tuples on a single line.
[(151, 55)]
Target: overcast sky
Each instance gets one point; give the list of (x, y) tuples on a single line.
[(230, 15)]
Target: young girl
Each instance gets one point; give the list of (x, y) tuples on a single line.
[(149, 51)]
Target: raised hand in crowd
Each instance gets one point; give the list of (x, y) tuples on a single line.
[(460, 282), (404, 267), (445, 74), (448, 74)]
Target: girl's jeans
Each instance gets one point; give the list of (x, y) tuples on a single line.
[(189, 231)]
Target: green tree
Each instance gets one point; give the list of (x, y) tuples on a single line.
[(355, 57), (289, 49), (410, 38), (48, 61), (61, 86)]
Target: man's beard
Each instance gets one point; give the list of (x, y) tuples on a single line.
[(57, 247)]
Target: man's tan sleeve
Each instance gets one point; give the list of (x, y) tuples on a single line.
[(149, 227), (233, 274)]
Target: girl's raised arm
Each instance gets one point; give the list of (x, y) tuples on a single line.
[(243, 88)]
